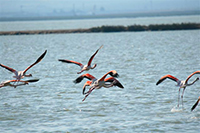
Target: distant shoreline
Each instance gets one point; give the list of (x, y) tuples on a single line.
[(103, 29), (100, 16)]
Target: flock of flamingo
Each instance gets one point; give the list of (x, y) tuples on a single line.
[(93, 82)]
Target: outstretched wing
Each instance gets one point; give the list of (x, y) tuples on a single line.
[(165, 77), (32, 80), (113, 73), (8, 68), (37, 61), (114, 81), (87, 75), (91, 58), (71, 61)]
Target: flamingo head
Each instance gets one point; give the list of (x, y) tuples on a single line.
[(114, 73), (28, 75), (196, 80)]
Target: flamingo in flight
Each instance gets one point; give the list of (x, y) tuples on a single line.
[(83, 67), (194, 106), (98, 83), (113, 82), (181, 84), (21, 74), (8, 82)]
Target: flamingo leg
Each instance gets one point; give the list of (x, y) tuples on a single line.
[(178, 97), (85, 97), (88, 93), (182, 96), (80, 72), (16, 82)]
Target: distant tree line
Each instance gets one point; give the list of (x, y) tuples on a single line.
[(131, 28), (152, 27)]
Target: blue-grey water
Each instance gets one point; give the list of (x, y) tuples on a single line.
[(54, 104), (88, 23)]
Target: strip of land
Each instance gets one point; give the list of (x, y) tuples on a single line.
[(131, 28)]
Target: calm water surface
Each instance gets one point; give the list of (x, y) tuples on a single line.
[(88, 23), (54, 104)]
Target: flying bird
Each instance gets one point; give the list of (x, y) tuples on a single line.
[(21, 74), (9, 82), (113, 82), (195, 105), (180, 83), (94, 80), (83, 67), (98, 83)]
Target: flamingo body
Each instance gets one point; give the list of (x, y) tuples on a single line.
[(180, 83), (21, 74), (8, 82), (83, 67), (99, 83)]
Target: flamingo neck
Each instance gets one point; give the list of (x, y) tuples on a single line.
[(93, 66), (193, 82), (28, 75)]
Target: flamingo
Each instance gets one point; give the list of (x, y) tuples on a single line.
[(92, 78), (194, 106), (8, 82), (21, 74), (83, 67), (181, 84), (98, 83), (114, 82)]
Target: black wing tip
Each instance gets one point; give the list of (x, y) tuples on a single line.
[(193, 107), (75, 81), (121, 86), (158, 82), (44, 53), (41, 57), (33, 80), (64, 60), (78, 80), (117, 83)]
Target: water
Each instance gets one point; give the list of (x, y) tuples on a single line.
[(54, 104), (88, 23)]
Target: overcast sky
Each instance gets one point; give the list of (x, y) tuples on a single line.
[(42, 6)]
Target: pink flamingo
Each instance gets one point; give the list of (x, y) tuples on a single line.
[(181, 84), (8, 82), (98, 83), (83, 67), (21, 74), (113, 82), (194, 106)]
